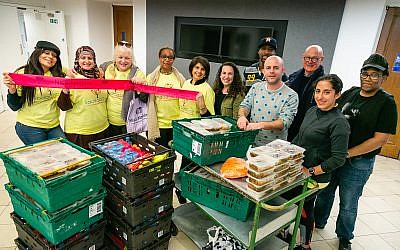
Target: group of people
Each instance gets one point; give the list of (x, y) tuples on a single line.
[(341, 132)]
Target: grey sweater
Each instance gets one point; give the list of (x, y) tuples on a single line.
[(325, 136)]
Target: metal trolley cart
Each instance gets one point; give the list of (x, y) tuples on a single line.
[(271, 214)]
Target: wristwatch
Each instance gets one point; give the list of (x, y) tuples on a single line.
[(311, 171)]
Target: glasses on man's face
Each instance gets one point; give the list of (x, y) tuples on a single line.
[(311, 59), (125, 43), (167, 57), (373, 76)]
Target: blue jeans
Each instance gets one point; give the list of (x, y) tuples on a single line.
[(351, 179), (30, 135)]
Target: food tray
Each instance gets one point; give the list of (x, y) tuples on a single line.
[(137, 210), (209, 149), (141, 180), (89, 238), (199, 186), (50, 193), (151, 234), (62, 224)]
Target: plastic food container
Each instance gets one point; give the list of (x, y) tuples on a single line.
[(262, 163), (259, 175), (263, 181), (257, 188), (294, 151)]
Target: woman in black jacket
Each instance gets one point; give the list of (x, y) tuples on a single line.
[(324, 134)]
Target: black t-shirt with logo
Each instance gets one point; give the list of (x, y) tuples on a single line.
[(367, 115)]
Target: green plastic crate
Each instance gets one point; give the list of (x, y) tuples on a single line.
[(62, 224), (209, 149), (201, 187), (54, 194)]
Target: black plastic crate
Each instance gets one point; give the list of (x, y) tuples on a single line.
[(139, 237), (112, 242), (29, 238), (137, 210), (141, 180)]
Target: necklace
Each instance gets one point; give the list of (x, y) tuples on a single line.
[(165, 73)]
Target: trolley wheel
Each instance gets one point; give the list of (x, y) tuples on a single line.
[(173, 229)]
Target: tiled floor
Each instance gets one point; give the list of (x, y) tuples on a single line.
[(378, 223)]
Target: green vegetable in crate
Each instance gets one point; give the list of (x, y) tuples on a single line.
[(159, 158)]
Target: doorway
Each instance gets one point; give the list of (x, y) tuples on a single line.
[(389, 46), (123, 23)]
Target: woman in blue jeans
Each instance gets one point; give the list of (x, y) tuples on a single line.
[(324, 135), (38, 114)]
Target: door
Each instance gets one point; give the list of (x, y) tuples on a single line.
[(43, 25), (123, 23), (389, 46)]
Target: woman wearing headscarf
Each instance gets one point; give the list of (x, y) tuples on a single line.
[(86, 110), (37, 111), (122, 68)]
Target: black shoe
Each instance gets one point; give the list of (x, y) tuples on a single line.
[(300, 247), (319, 226), (344, 244), (181, 199)]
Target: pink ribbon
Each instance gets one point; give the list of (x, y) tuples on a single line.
[(85, 83)]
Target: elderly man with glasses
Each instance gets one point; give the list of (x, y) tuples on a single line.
[(372, 116), (301, 82)]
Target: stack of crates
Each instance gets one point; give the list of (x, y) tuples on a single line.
[(139, 192), (58, 199), (205, 148)]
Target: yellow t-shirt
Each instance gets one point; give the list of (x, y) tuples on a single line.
[(44, 112), (114, 100), (89, 112), (167, 107), (189, 108)]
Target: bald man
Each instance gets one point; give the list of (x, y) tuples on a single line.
[(301, 82), (271, 104)]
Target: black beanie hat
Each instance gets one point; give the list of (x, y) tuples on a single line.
[(377, 61), (48, 45)]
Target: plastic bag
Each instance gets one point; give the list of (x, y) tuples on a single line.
[(219, 240), (234, 168)]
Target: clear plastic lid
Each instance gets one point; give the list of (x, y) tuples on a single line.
[(262, 163), (294, 151), (278, 144)]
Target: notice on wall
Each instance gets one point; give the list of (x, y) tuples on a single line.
[(396, 64)]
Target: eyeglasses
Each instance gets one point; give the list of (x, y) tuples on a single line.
[(167, 57), (374, 76), (125, 43), (311, 59)]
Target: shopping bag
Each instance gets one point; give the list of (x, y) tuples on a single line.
[(136, 120), (218, 239)]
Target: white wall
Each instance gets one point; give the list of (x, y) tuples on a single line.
[(358, 37), (139, 33), (76, 24), (11, 53), (101, 30)]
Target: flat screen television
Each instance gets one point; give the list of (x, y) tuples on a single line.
[(220, 42)]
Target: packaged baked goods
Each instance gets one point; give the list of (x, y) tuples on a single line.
[(262, 163), (269, 180), (259, 175), (259, 151), (280, 156), (294, 151), (278, 144), (258, 188), (233, 168)]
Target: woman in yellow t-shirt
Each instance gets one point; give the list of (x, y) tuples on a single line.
[(167, 108), (86, 109), (37, 111), (199, 69), (122, 68)]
